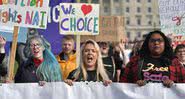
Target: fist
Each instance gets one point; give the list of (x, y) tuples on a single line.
[(2, 42)]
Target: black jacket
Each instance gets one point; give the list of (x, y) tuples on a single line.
[(26, 73), (3, 64)]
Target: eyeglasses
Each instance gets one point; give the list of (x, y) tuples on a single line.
[(160, 40), (35, 45)]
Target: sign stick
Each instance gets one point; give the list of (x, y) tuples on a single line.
[(78, 43), (12, 55), (78, 46), (78, 50)]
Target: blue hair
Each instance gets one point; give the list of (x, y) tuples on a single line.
[(49, 70)]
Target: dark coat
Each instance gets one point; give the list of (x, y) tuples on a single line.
[(26, 73), (3, 64)]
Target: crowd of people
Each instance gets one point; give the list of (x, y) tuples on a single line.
[(151, 60)]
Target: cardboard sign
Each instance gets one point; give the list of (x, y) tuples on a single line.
[(111, 29), (24, 13), (79, 19), (172, 16)]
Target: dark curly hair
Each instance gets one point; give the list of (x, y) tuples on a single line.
[(168, 51)]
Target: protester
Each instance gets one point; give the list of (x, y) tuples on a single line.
[(108, 61), (91, 65), (180, 53), (156, 62), (67, 58), (21, 53), (40, 66), (119, 58), (135, 49), (3, 59)]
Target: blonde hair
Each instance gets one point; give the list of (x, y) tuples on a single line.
[(100, 70), (68, 38)]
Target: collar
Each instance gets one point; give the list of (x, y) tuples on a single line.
[(37, 62), (63, 56)]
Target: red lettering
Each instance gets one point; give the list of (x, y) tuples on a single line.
[(1, 2), (19, 19)]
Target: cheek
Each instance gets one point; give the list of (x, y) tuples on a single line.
[(150, 46), (64, 46), (84, 56), (42, 49), (162, 46), (96, 56), (70, 47), (32, 50)]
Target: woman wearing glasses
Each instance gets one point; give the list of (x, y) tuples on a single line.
[(155, 63), (41, 65)]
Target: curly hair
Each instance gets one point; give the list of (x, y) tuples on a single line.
[(168, 51)]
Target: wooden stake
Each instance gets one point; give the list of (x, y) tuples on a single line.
[(78, 50), (12, 55)]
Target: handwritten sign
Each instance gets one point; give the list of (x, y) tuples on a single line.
[(81, 19), (172, 16), (24, 13), (111, 29), (176, 39)]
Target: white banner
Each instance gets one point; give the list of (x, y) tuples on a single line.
[(90, 90), (25, 13)]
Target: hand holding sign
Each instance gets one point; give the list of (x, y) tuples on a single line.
[(2, 42)]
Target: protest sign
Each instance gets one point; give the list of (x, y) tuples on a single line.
[(79, 18), (24, 13), (111, 29), (172, 18)]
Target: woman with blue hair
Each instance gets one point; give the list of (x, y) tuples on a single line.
[(40, 66)]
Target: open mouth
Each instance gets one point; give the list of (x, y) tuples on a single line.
[(35, 52), (89, 59), (104, 48)]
